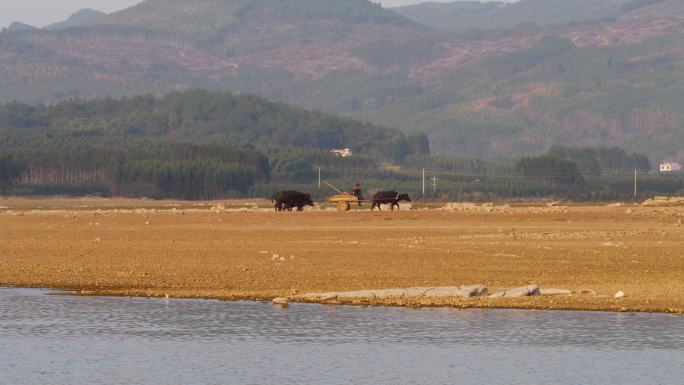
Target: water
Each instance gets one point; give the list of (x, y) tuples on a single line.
[(47, 339)]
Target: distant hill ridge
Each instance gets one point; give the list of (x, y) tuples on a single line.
[(20, 27), (205, 18), (79, 18), (614, 79), (466, 15)]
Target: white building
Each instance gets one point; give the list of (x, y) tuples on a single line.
[(344, 152), (670, 167)]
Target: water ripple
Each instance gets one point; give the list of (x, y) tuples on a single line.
[(95, 340)]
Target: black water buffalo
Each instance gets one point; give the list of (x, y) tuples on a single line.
[(388, 198), (287, 200)]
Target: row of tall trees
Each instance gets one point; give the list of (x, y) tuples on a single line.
[(10, 171), (147, 168)]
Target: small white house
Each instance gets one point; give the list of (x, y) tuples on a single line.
[(670, 167), (344, 152)]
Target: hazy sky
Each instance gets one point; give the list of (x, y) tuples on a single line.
[(39, 13)]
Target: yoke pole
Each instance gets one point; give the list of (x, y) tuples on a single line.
[(333, 187)]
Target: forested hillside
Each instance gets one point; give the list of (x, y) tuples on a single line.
[(192, 145), (201, 117), (519, 79)]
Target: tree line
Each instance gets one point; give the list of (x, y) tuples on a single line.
[(143, 169), (203, 145), (205, 172)]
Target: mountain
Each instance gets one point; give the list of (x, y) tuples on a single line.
[(467, 15), (21, 27), (82, 17), (612, 78), (211, 19)]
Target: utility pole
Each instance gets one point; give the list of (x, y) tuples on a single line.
[(319, 178), (635, 183), (423, 183)]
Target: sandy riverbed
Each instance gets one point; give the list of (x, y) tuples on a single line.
[(187, 249)]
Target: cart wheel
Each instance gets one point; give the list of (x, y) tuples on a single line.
[(343, 206)]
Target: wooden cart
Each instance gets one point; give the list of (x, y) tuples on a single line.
[(343, 200)]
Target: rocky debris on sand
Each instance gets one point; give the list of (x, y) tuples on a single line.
[(437, 292), (587, 292), (281, 301), (619, 294), (232, 211), (412, 292), (554, 292), (144, 211), (491, 208), (470, 291), (330, 300), (280, 258), (525, 291), (664, 201), (406, 207), (460, 291), (613, 244), (472, 207)]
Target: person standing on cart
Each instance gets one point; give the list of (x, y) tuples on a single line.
[(358, 193)]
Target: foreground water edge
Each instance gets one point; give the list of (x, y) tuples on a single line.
[(106, 340)]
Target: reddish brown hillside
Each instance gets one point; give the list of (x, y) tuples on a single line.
[(361, 60), (312, 49)]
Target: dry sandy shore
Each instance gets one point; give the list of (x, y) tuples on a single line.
[(119, 247)]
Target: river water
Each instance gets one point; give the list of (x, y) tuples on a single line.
[(62, 340)]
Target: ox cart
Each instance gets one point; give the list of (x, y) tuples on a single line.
[(343, 200)]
